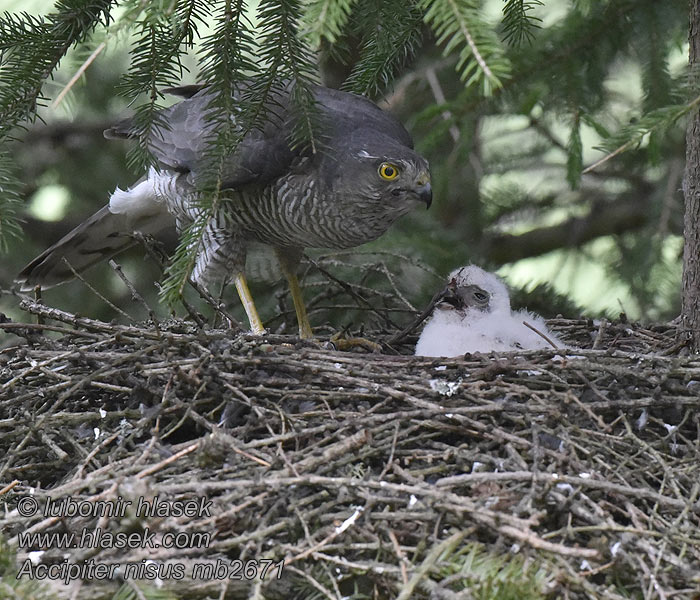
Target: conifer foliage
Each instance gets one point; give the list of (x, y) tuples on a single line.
[(30, 50), (275, 52), (483, 58)]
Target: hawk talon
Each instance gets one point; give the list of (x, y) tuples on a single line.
[(342, 343)]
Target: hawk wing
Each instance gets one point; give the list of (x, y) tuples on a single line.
[(181, 139)]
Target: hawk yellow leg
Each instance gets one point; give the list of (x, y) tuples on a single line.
[(256, 325), (289, 261), (299, 306)]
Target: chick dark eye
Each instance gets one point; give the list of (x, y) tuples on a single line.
[(388, 171), (481, 296)]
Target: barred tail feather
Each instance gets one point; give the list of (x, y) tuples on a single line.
[(101, 237)]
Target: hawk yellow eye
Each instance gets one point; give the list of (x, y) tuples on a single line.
[(388, 171)]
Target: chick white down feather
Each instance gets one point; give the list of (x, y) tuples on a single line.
[(453, 330)]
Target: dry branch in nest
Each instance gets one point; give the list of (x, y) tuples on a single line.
[(523, 475)]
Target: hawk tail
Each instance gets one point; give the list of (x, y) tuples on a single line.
[(103, 235)]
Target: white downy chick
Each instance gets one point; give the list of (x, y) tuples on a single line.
[(473, 314)]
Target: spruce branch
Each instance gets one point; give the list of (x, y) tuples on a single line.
[(30, 51), (165, 35), (489, 575), (634, 134), (460, 28), (289, 59), (574, 153), (31, 48), (657, 83), (326, 20), (390, 34), (183, 260), (224, 56), (518, 24), (10, 201)]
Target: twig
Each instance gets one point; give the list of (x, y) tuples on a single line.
[(19, 327), (90, 59), (134, 294), (164, 463), (542, 335), (439, 96), (429, 562), (348, 289), (329, 538), (9, 487), (160, 258), (536, 541), (401, 556), (599, 335), (113, 306), (417, 321), (390, 460), (578, 481), (103, 444)]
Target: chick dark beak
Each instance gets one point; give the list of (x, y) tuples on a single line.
[(448, 298)]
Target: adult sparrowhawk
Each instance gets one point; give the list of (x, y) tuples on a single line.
[(363, 176)]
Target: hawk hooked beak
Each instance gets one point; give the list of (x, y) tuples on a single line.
[(423, 188)]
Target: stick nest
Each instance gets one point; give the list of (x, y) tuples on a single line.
[(524, 475)]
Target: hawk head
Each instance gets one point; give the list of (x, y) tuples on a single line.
[(377, 174)]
